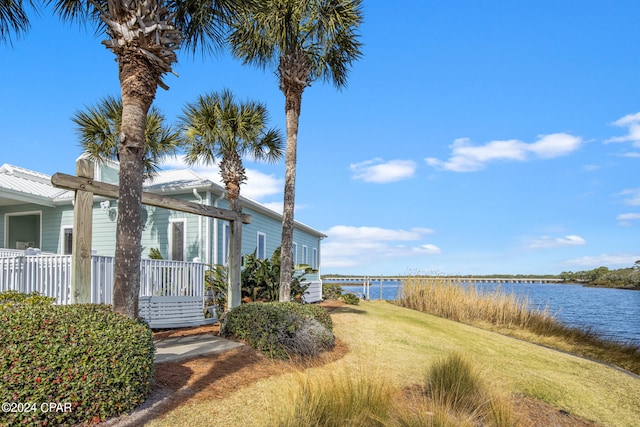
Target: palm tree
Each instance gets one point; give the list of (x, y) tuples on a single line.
[(144, 35), (99, 130), (305, 41), (216, 126), (13, 19)]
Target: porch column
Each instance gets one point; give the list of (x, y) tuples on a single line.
[(81, 245)]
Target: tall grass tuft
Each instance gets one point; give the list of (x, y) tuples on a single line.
[(453, 395), (354, 398), (452, 382), (455, 389), (448, 298)]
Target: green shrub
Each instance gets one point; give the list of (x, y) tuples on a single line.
[(15, 297), (331, 291), (281, 330), (350, 299), (93, 363), (261, 279), (154, 253)]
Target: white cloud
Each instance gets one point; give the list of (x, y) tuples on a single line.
[(632, 196), (551, 242), (381, 172), (617, 261), (625, 219), (632, 122), (258, 185), (350, 233), (466, 157), (628, 216), (349, 246)]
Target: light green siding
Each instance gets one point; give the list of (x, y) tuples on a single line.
[(205, 238)]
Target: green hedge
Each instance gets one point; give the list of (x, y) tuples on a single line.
[(281, 330), (62, 365)]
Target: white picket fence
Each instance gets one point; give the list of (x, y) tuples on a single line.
[(50, 275)]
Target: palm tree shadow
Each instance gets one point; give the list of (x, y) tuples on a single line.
[(344, 309), (176, 382)]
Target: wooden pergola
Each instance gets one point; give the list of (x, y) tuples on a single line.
[(86, 187)]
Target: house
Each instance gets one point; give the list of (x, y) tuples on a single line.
[(35, 214)]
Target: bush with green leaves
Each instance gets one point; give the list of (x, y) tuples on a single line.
[(281, 329), (93, 363), (15, 297), (331, 291), (349, 298), (261, 279)]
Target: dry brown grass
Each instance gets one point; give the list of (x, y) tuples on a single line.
[(235, 388)]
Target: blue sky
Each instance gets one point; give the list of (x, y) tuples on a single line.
[(473, 137)]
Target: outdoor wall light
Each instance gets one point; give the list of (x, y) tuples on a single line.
[(112, 213)]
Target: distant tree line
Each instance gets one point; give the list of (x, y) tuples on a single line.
[(628, 278)]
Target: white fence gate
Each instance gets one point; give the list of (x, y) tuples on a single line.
[(50, 275)]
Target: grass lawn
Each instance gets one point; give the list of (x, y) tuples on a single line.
[(401, 344)]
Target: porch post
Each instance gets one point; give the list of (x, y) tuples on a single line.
[(235, 254), (81, 246)]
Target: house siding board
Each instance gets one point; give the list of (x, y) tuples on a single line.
[(156, 231), (51, 221), (107, 173), (104, 225)]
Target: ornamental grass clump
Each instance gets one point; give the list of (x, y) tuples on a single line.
[(456, 392), (70, 364), (281, 330), (448, 298), (355, 398)]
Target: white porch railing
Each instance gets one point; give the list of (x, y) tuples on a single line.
[(50, 275), (46, 274)]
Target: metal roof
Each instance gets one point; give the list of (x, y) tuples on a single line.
[(19, 185)]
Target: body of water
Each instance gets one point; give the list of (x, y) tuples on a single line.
[(612, 313)]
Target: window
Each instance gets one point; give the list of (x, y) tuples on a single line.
[(226, 236), (294, 253), (67, 240), (262, 246), (176, 239), (305, 254), (314, 258), (23, 230)]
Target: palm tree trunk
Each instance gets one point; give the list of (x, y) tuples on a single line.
[(292, 111), (138, 85)]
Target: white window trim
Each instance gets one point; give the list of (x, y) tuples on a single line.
[(6, 225), (226, 235), (184, 237), (258, 236), (294, 248), (305, 254), (314, 258), (62, 239)]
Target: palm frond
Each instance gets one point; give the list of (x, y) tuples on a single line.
[(325, 32), (205, 24), (218, 126), (14, 19), (98, 128)]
